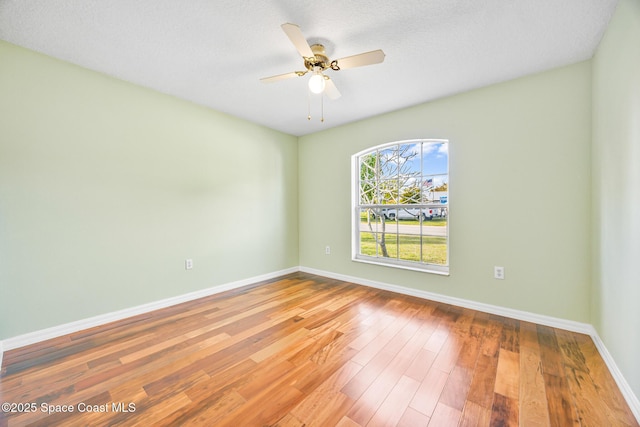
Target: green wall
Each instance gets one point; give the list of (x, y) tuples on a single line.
[(106, 188), (519, 192), (616, 190)]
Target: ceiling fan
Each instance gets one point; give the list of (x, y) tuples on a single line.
[(316, 62)]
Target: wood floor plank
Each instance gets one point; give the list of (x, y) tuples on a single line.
[(605, 382), (421, 364), (426, 397), (219, 391), (533, 407), (560, 402), (305, 350), (445, 416), (317, 347), (325, 367), (381, 341), (320, 405), (369, 402), (413, 418), (510, 339), (289, 421), (371, 370), (347, 422), (482, 386), (437, 339), (590, 408), (458, 384), (209, 410), (455, 391), (278, 346), (504, 411), (562, 406), (373, 328), (508, 374), (474, 415), (397, 401), (267, 407)]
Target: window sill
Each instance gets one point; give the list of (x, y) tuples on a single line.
[(432, 269)]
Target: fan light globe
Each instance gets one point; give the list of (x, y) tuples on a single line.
[(316, 83)]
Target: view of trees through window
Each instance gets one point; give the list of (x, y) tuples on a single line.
[(402, 206)]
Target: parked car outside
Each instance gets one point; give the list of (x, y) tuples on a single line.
[(410, 213)]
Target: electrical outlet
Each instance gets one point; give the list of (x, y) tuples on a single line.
[(327, 250), (498, 272), (188, 264)]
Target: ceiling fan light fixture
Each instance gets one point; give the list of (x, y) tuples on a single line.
[(316, 82), (316, 61)]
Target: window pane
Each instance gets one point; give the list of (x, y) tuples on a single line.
[(409, 173), (368, 177), (390, 245), (410, 194), (368, 244), (441, 190), (377, 233), (388, 228), (368, 232), (435, 158), (434, 250), (368, 216), (368, 192), (390, 214), (388, 192), (409, 247), (409, 159), (428, 186), (368, 166), (388, 163), (436, 226), (428, 214)]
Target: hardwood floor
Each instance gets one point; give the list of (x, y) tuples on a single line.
[(305, 350)]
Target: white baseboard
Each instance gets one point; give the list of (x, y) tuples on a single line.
[(623, 385), (79, 325), (567, 325)]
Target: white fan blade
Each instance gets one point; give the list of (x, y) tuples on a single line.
[(367, 58), (331, 90), (297, 38), (282, 76)]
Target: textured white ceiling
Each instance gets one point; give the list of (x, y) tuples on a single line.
[(213, 52)]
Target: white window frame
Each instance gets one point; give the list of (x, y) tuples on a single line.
[(356, 207)]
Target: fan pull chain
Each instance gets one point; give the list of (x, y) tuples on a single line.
[(309, 107)]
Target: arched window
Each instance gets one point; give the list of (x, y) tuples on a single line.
[(401, 205)]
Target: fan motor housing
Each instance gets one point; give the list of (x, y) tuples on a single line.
[(319, 59)]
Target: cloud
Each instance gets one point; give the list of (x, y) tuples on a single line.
[(440, 148)]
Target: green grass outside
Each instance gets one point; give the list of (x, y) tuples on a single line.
[(407, 247)]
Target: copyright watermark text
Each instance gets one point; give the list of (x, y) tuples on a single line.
[(48, 408)]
